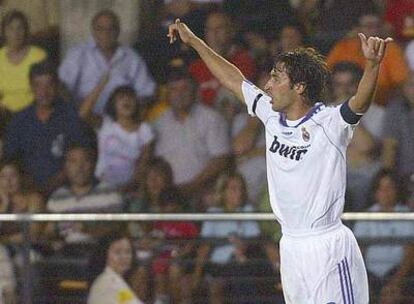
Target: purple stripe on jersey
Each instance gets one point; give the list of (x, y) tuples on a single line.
[(346, 282), (350, 282), (342, 283)]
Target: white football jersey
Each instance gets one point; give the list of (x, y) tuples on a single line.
[(306, 162)]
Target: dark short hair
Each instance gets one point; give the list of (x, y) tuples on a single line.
[(15, 15), (306, 66), (160, 164), (171, 195), (44, 67), (119, 91), (109, 13), (348, 67), (89, 150), (396, 180), (97, 262)]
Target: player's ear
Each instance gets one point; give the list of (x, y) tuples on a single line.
[(300, 88)]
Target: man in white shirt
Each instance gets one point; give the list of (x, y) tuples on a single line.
[(306, 166), (103, 61)]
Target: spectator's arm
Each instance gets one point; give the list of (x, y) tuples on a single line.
[(245, 140), (142, 163), (392, 291), (213, 168), (87, 105), (389, 153), (36, 205)]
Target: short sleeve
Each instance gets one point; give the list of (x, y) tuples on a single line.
[(218, 137), (257, 101), (341, 123), (146, 133)]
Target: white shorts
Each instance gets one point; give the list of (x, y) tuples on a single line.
[(323, 267)]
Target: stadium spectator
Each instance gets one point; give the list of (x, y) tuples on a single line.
[(361, 155), (291, 37), (174, 242), (39, 135), (113, 263), (193, 138), (329, 21), (383, 261), (16, 58), (151, 42), (219, 33), (394, 68), (124, 140), (146, 198), (87, 66), (8, 282), (398, 144), (248, 144), (230, 259), (397, 14), (82, 194), (17, 197)]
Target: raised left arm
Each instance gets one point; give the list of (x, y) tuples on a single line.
[(374, 50)]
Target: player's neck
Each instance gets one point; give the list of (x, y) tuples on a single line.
[(297, 110)]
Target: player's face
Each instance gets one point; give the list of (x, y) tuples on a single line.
[(79, 167), (44, 89), (120, 256), (105, 32), (279, 87)]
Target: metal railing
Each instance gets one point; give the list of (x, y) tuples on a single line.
[(26, 219), (126, 217)]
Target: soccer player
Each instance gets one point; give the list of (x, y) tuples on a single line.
[(305, 150)]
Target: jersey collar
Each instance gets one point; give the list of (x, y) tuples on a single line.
[(315, 109)]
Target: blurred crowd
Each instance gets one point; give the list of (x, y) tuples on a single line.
[(143, 126)]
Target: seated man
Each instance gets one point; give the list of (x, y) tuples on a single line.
[(82, 194), (100, 65), (40, 134), (192, 137)]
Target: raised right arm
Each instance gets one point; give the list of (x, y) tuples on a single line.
[(227, 73)]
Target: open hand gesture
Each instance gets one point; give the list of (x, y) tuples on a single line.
[(373, 47), (180, 29)]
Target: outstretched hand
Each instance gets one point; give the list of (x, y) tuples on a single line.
[(374, 47), (179, 29)]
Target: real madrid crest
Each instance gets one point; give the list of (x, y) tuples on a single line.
[(305, 134)]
